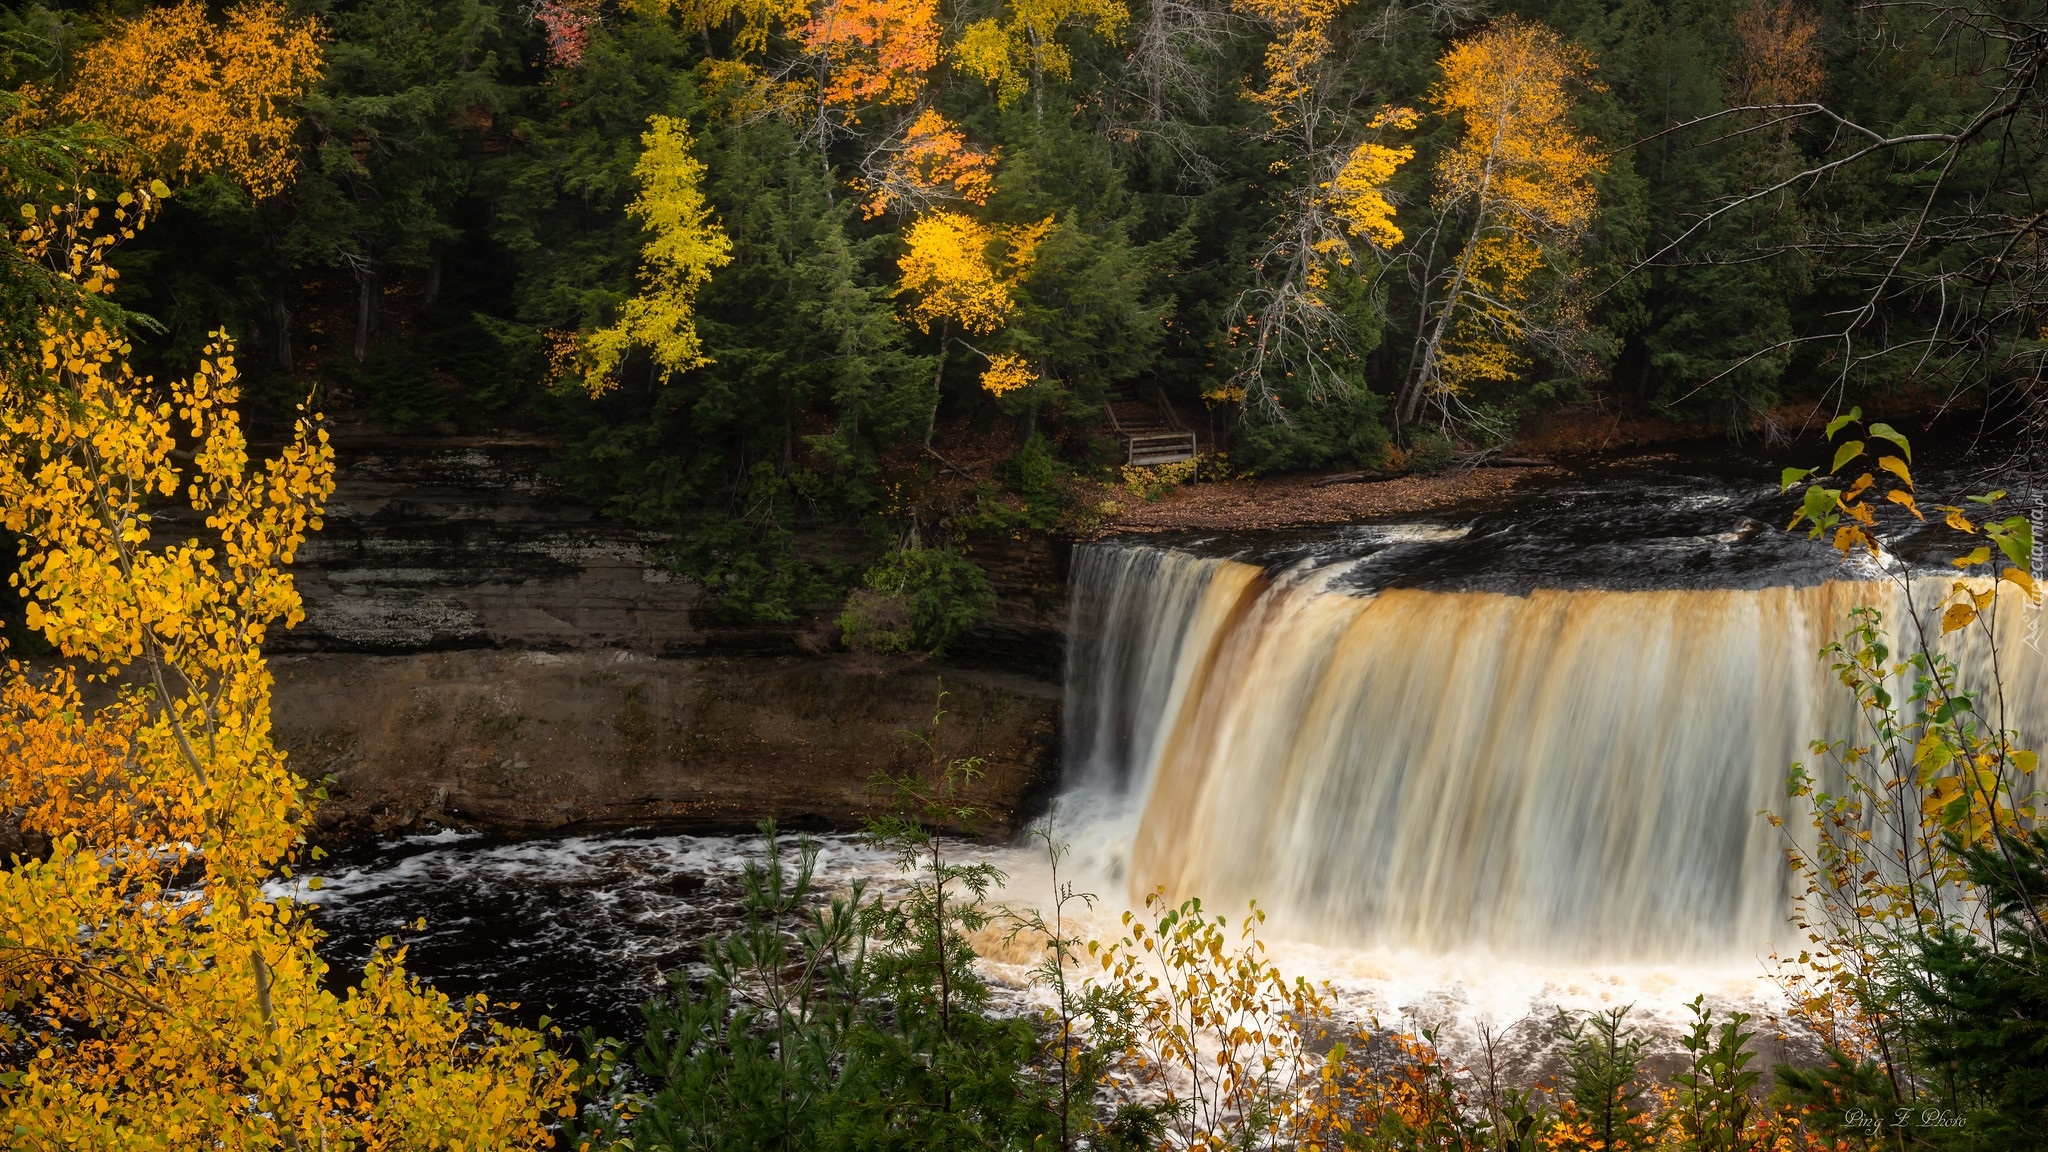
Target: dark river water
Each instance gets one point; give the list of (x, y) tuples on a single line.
[(580, 929)]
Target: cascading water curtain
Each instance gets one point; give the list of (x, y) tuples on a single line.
[(1564, 774)]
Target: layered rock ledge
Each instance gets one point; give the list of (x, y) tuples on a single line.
[(481, 650)]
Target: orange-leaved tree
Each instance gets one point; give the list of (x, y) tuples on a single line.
[(195, 96), (1519, 180), (931, 162), (875, 51), (157, 993)]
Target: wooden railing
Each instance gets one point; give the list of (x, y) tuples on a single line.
[(1158, 439)]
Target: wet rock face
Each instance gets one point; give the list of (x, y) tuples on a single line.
[(479, 649), (438, 545), (532, 741)]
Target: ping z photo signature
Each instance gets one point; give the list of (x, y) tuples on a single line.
[(1876, 1122)]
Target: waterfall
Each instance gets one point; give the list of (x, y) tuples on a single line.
[(1563, 774)]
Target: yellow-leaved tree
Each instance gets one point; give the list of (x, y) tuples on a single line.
[(757, 19), (1299, 47), (961, 271), (1519, 180), (1296, 324), (157, 995), (194, 96), (676, 263), (947, 266), (1018, 50), (1217, 1030)]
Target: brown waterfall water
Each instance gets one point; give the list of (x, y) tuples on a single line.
[(1560, 776)]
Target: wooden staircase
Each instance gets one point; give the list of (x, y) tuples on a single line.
[(1151, 434)]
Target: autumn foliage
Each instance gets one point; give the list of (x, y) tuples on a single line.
[(1022, 48), (933, 162), (878, 51), (567, 25), (159, 995), (1780, 59), (195, 96), (1300, 43), (685, 247), (960, 271), (948, 268), (1521, 176)]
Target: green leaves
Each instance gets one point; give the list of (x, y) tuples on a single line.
[(1854, 416), (2014, 537), (1846, 453), (1818, 509), (1887, 432)]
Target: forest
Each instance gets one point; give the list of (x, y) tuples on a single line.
[(768, 272), (762, 269)]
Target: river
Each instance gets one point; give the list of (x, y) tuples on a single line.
[(1478, 766)]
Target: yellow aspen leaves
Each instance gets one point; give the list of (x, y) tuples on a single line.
[(948, 267), (737, 89), (1011, 51), (961, 271), (757, 18), (1523, 176), (1511, 85), (1006, 373), (197, 96), (1301, 42), (1358, 195), (687, 245), (161, 997)]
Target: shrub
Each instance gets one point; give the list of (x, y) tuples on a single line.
[(875, 623), (1150, 483), (1037, 475), (1335, 432), (1431, 451), (915, 598)]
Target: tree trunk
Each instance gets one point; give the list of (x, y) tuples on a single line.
[(433, 295), (938, 378), (370, 285), (1027, 423), (788, 433), (281, 332)]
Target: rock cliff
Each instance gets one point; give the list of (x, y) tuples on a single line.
[(480, 649)]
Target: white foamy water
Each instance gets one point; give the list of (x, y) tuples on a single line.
[(582, 929)]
